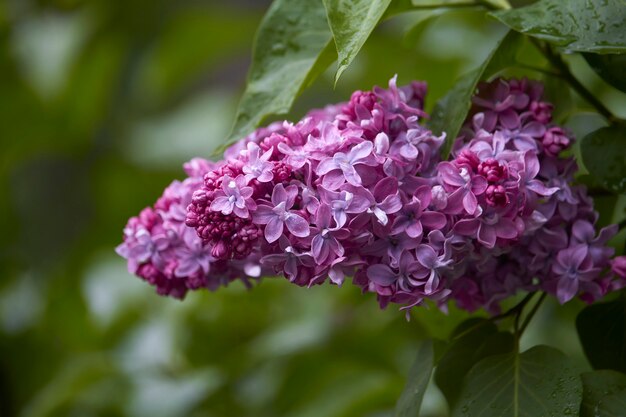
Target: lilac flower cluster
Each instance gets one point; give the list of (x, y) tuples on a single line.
[(166, 253), (358, 190)]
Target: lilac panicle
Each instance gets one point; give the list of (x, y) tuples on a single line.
[(358, 190)]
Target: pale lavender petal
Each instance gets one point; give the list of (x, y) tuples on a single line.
[(223, 205), (391, 204), (450, 174), (291, 194), (566, 289), (351, 175), (360, 151), (432, 283), (333, 180), (279, 194), (273, 230), (319, 249), (263, 214), (326, 165), (381, 216), (426, 256), (297, 225), (408, 151), (414, 230), (539, 188), (470, 204)]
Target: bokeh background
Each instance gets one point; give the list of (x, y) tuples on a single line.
[(101, 102)]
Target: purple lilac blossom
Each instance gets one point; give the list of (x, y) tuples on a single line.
[(358, 190)]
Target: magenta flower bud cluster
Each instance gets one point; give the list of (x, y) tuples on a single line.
[(358, 190)]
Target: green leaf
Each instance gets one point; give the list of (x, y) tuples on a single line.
[(475, 339), (612, 405), (611, 67), (604, 156), (410, 401), (598, 386), (352, 22), (538, 382), (451, 110), (286, 52), (578, 25), (602, 332)]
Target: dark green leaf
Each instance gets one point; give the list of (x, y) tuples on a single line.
[(451, 110), (288, 44), (538, 382), (410, 401), (579, 25), (472, 341), (597, 386), (602, 332), (612, 405), (611, 67), (352, 22), (604, 155)]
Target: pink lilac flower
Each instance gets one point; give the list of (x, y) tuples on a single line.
[(278, 215), (341, 167), (358, 191), (326, 241), (234, 198)]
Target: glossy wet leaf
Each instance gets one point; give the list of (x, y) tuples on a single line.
[(451, 110), (604, 155), (473, 340), (288, 45), (538, 382), (410, 401), (578, 25), (599, 389), (611, 67), (602, 332), (613, 405), (351, 23)]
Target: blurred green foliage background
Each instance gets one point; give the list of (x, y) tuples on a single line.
[(101, 102)]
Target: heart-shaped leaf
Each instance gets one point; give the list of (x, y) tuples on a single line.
[(539, 382)]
